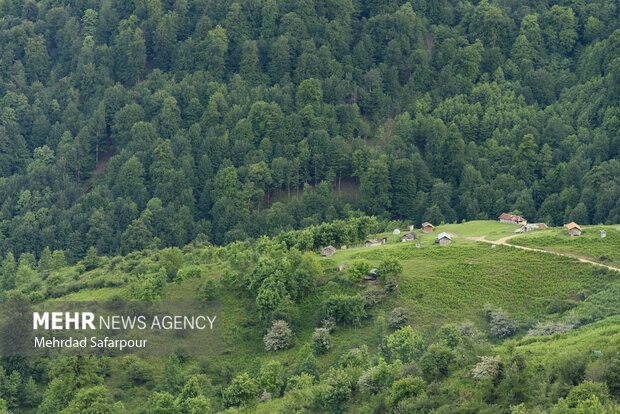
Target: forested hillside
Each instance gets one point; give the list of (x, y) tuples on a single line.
[(126, 125)]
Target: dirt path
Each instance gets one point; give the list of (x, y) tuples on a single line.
[(504, 240)]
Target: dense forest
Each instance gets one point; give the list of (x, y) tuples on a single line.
[(125, 125), (162, 150)]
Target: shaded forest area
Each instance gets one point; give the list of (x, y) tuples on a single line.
[(441, 110)]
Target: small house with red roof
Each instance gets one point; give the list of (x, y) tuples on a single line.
[(511, 219)]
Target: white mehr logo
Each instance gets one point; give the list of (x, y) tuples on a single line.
[(63, 320)]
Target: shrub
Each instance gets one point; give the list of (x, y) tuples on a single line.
[(329, 324), (389, 268), (242, 389), (373, 296), (585, 391), (549, 328), (91, 260), (206, 291), (333, 392), (501, 325), (320, 341), (189, 272), (355, 357), (436, 361), (398, 318), (272, 378), (171, 259), (488, 366), (345, 309), (405, 344), (358, 270), (612, 378), (408, 387), (279, 336), (136, 371), (380, 376), (451, 335)]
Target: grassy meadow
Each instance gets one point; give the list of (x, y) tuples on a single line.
[(589, 245)]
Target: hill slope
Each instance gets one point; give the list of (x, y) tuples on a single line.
[(450, 295)]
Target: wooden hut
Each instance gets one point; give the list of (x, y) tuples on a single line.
[(427, 227), (443, 239), (573, 229)]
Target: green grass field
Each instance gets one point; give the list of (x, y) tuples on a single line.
[(589, 245), (442, 283)]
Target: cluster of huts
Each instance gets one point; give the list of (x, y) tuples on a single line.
[(525, 226), (530, 226), (409, 236), (572, 228)]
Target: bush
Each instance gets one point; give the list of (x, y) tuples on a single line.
[(408, 387), (501, 325), (345, 309), (206, 291), (405, 344), (585, 391), (451, 335), (436, 361), (189, 272), (373, 296), (549, 328), (358, 270), (271, 378), (389, 268), (320, 341), (330, 395), (279, 336), (136, 371), (612, 378), (487, 367), (329, 324), (91, 260), (380, 376), (398, 318), (242, 389)]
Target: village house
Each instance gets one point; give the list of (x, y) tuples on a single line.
[(372, 242), (427, 227), (511, 219), (443, 239), (408, 236), (531, 226), (410, 227), (573, 229), (328, 251)]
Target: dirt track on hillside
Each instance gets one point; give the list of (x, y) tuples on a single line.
[(503, 241)]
